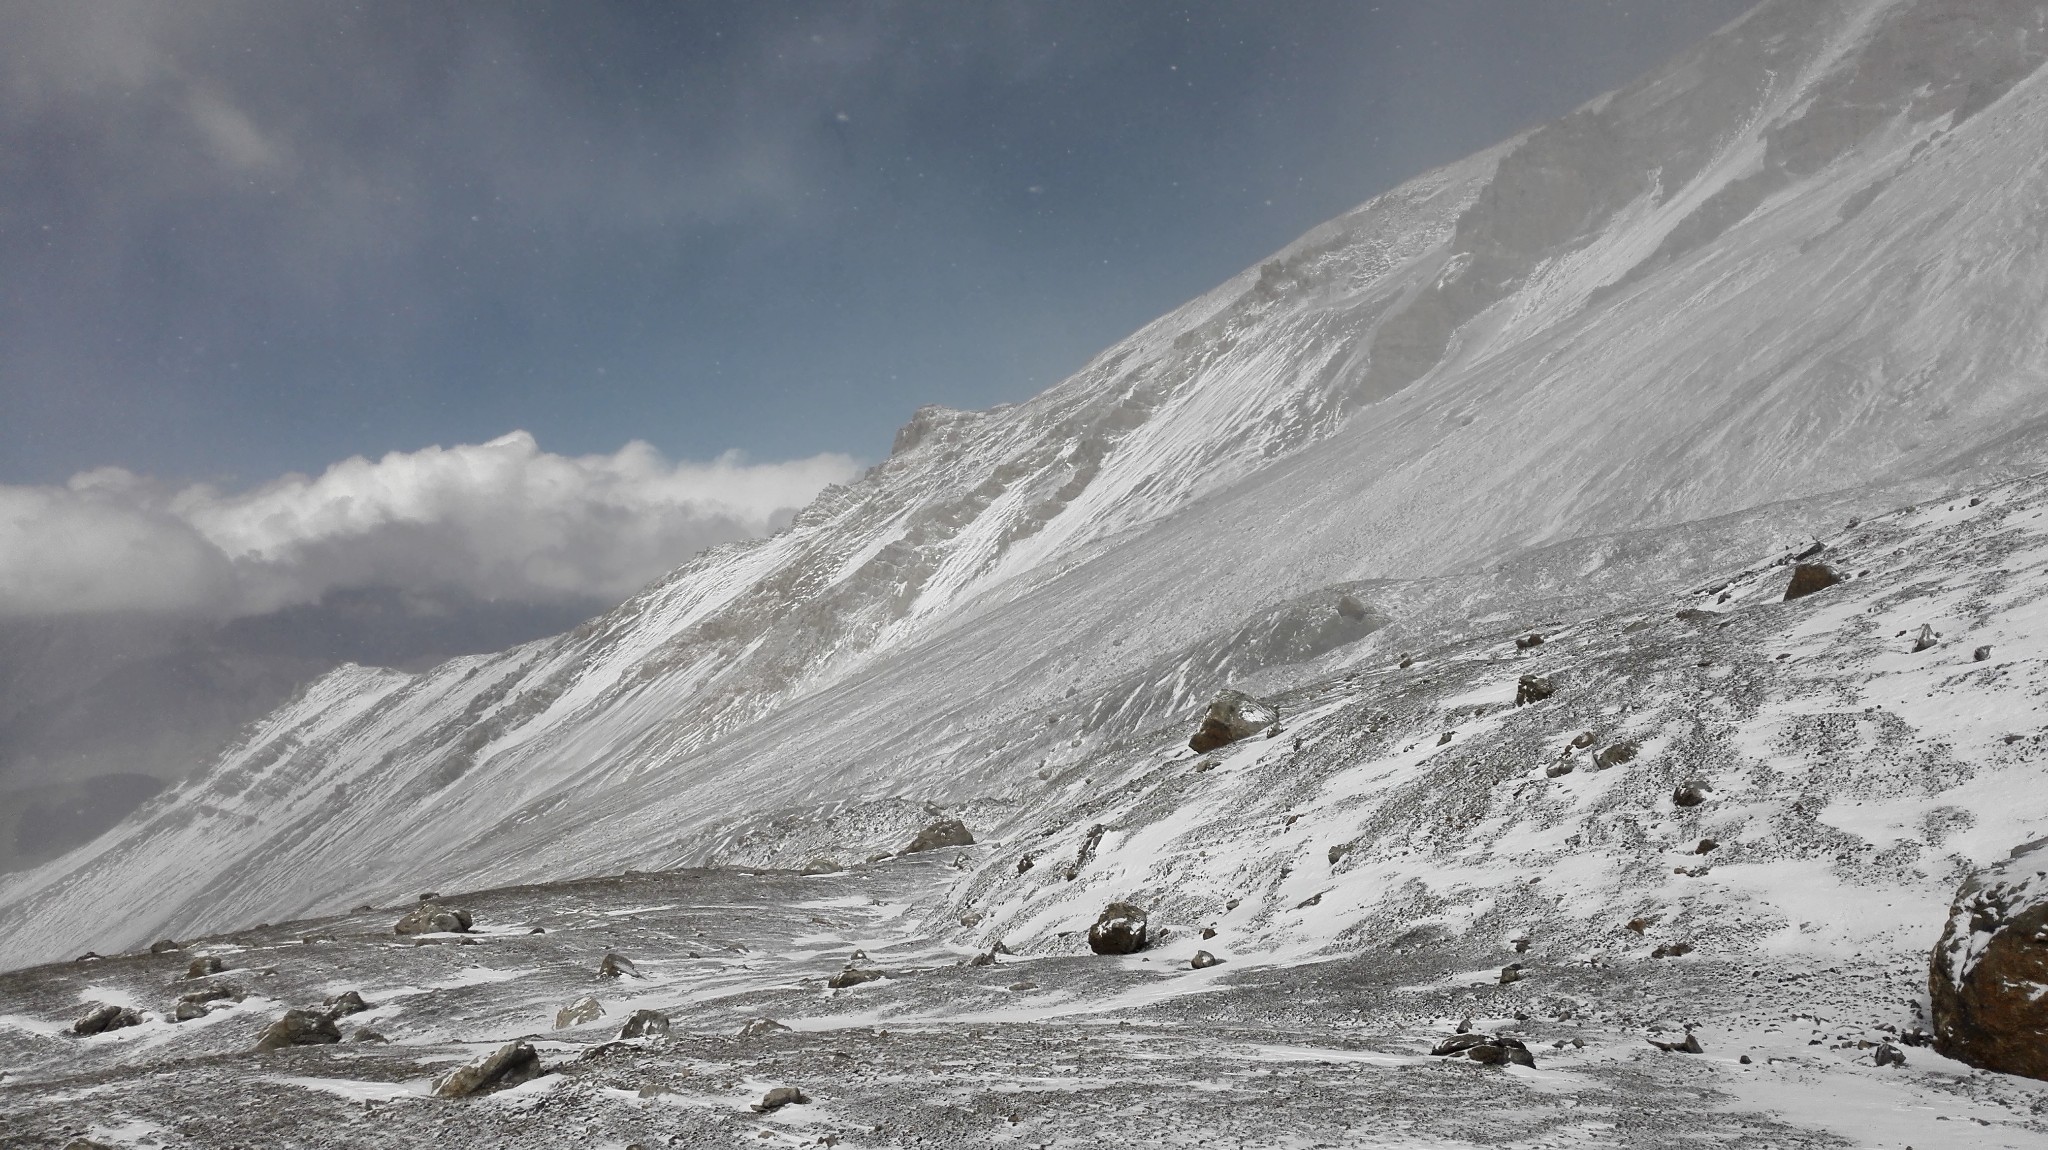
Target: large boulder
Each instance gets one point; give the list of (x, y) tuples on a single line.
[(645, 1024), (299, 1028), (1810, 577), (944, 833), (1233, 716), (1533, 689), (433, 918), (509, 1065), (101, 1017), (1119, 929), (1988, 977)]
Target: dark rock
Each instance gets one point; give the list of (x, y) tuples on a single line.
[(756, 1027), (164, 946), (852, 976), (201, 967), (101, 1017), (1981, 653), (985, 958), (1706, 846), (1559, 769), (1461, 1041), (344, 1004), (1690, 795), (1528, 642), (1889, 1055), (1338, 852), (778, 1098), (944, 833), (430, 896), (1119, 929), (971, 919), (1984, 976), (1583, 739), (1208, 932), (299, 1028), (1927, 638), (538, 930), (509, 1065), (1691, 1045), (1615, 754), (645, 1024), (214, 994), (187, 1011), (1487, 1054), (1025, 863), (433, 918), (1810, 577), (1203, 960), (615, 965), (1233, 716), (1533, 689), (1672, 950), (1444, 739), (1511, 973)]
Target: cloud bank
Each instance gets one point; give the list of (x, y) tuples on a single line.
[(499, 520)]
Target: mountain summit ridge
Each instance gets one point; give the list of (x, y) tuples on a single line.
[(1786, 265)]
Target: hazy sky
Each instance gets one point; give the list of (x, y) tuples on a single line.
[(243, 238)]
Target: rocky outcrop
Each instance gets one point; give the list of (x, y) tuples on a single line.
[(1810, 577), (1988, 977), (509, 1065), (944, 833), (1233, 716), (433, 918), (1119, 929)]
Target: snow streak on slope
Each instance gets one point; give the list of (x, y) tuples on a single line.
[(1800, 259)]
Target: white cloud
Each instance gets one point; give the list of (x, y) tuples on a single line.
[(501, 520)]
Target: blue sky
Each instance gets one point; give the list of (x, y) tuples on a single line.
[(238, 239)]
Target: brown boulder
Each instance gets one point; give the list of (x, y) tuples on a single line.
[(509, 1065), (433, 918), (1233, 716), (1986, 975), (1810, 577), (944, 833), (299, 1028)]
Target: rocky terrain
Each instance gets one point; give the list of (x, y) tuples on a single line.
[(1627, 549), (1719, 820)]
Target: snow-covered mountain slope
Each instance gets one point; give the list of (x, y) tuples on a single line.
[(1802, 259)]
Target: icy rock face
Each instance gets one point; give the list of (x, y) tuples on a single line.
[(1988, 979), (1233, 716), (1803, 258)]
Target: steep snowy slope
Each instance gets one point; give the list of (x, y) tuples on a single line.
[(1802, 259)]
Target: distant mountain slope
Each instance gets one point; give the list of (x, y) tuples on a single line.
[(1804, 258)]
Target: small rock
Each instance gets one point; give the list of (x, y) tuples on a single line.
[(822, 866), (645, 1024), (1889, 1055), (971, 918), (1926, 638), (1528, 642), (1690, 795), (344, 1004), (1533, 689), (944, 833), (778, 1098), (1614, 755), (1706, 846), (1119, 929), (1511, 973), (1208, 932), (1444, 739), (299, 1028), (1981, 653), (1339, 851), (201, 967), (101, 1017), (615, 965), (430, 896), (433, 918), (164, 946), (1672, 950), (852, 976), (1232, 716), (1203, 960), (509, 1065), (585, 1009), (1559, 769), (187, 1011), (756, 1027), (1691, 1045), (1023, 986), (365, 1034), (1583, 740), (1025, 863), (1808, 578)]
